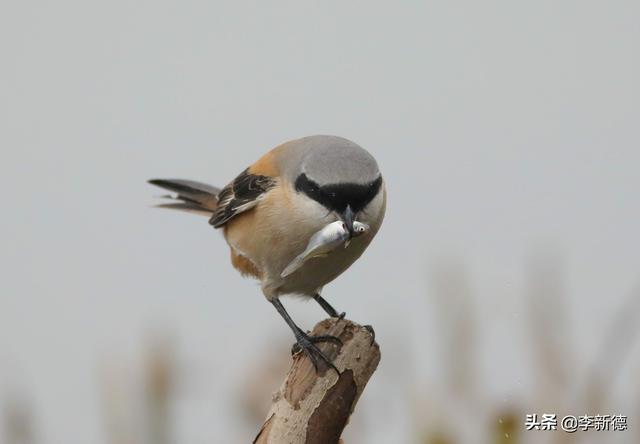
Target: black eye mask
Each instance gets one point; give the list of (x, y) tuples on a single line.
[(337, 196)]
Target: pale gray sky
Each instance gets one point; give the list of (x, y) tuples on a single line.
[(499, 126)]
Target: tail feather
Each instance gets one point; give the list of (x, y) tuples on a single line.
[(195, 197)]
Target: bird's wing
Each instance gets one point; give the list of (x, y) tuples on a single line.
[(241, 195)]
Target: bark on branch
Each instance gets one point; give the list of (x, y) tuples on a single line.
[(314, 408)]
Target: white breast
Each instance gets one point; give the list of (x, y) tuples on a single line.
[(302, 219)]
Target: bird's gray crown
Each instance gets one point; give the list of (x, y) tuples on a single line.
[(333, 171), (332, 160)]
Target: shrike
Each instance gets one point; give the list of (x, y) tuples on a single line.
[(271, 210)]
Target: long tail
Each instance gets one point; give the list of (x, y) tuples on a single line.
[(191, 196)]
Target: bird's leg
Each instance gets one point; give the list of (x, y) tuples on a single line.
[(327, 307), (304, 342)]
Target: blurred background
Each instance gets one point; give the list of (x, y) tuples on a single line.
[(504, 280)]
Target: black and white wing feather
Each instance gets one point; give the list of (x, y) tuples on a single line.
[(242, 194), (191, 196)]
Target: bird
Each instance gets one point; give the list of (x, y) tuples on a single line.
[(270, 211)]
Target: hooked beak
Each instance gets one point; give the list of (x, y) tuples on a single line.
[(347, 218)]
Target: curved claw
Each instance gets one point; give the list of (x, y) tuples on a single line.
[(306, 344), (295, 348), (372, 332), (326, 338)]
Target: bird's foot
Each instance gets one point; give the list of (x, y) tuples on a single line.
[(307, 344), (295, 348)]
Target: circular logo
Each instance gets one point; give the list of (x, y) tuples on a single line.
[(569, 424)]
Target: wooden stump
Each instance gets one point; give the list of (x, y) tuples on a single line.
[(314, 408)]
